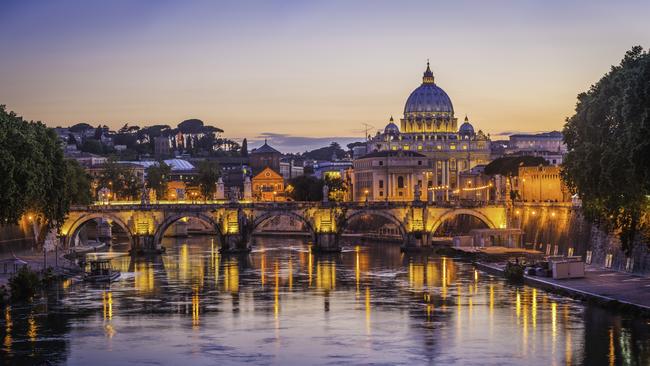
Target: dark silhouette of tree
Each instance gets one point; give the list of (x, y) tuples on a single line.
[(209, 172), (608, 138)]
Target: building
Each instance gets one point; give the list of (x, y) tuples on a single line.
[(547, 141), (268, 185), (331, 169), (388, 175), (541, 184), (548, 145), (429, 127), (265, 157), (288, 169)]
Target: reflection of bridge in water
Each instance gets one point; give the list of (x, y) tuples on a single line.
[(234, 223)]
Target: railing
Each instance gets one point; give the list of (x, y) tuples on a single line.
[(212, 204)]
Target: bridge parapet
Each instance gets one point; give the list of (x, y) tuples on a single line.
[(235, 222)]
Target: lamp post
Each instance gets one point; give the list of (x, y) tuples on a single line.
[(365, 192)]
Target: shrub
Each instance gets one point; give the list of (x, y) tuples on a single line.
[(514, 272), (24, 284)]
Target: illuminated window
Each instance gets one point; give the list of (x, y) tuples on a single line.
[(452, 147), (394, 147), (438, 147), (464, 147), (419, 147), (407, 147)]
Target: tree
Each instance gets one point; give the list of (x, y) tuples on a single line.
[(32, 172), (337, 188), (92, 146), (157, 176), (306, 188), (244, 148), (608, 139), (208, 175), (78, 182), (120, 179)]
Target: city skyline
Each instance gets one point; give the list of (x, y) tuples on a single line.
[(304, 74)]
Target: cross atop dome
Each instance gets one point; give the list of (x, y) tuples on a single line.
[(428, 75)]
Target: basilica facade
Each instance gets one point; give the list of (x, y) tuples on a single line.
[(428, 151)]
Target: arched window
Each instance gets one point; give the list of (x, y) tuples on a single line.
[(400, 182)]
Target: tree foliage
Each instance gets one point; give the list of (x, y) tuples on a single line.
[(120, 179), (32, 171), (209, 172), (157, 177), (608, 163), (306, 188), (78, 184)]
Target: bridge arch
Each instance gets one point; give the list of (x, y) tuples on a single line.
[(461, 211), (171, 219), (74, 228), (259, 220), (370, 212)]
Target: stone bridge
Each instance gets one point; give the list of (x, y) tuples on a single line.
[(235, 223)]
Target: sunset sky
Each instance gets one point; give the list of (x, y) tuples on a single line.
[(305, 72)]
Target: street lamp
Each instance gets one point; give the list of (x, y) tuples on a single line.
[(366, 193)]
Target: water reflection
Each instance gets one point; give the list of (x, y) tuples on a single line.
[(284, 304)]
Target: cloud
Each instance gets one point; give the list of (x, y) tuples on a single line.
[(287, 143)]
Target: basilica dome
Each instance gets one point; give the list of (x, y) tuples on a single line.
[(466, 128), (428, 97), (391, 128)]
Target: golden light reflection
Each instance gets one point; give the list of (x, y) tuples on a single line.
[(357, 270), (310, 265), (533, 308), (416, 276), (568, 353), (195, 308), (518, 306), (612, 349), (554, 321), (367, 304), (107, 305), (231, 275), (32, 328), (7, 341), (326, 275), (144, 277), (444, 278), (263, 268)]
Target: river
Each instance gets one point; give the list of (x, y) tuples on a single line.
[(284, 305)]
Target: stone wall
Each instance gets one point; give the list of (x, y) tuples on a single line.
[(551, 227)]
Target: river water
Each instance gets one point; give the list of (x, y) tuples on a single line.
[(284, 305)]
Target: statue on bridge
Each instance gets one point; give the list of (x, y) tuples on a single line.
[(326, 192), (417, 193), (145, 199)]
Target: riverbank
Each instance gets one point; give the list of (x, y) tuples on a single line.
[(612, 289)]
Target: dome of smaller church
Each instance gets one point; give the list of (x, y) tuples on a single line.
[(391, 128), (466, 128)]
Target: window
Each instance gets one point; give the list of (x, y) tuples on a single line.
[(381, 184), (400, 182), (419, 162), (420, 148), (407, 147), (381, 163), (381, 193)]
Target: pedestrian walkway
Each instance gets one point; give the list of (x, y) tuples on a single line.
[(598, 283)]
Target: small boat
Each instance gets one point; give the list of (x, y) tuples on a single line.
[(101, 271), (90, 247)]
